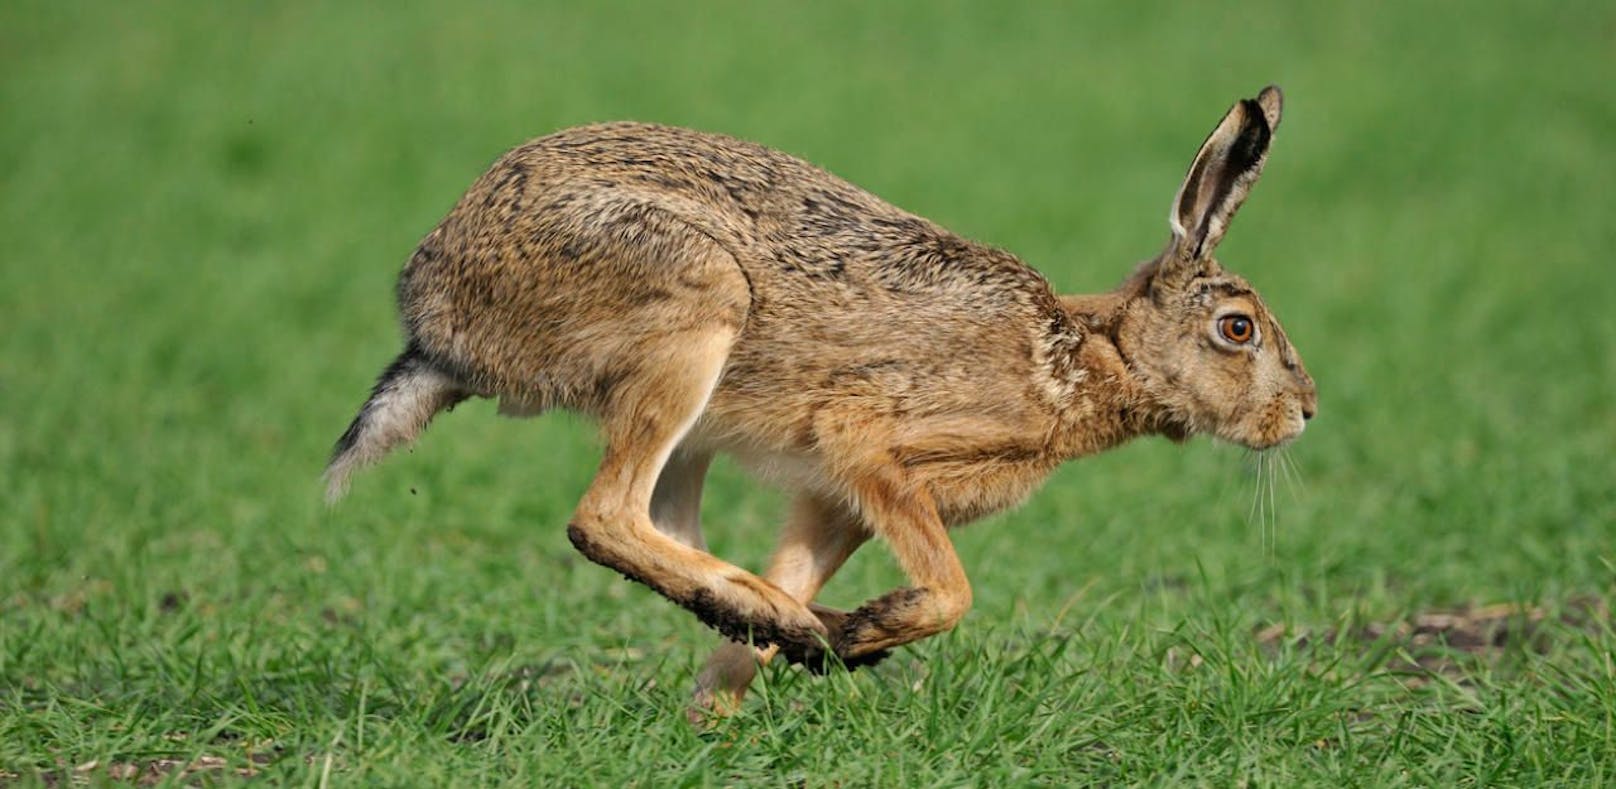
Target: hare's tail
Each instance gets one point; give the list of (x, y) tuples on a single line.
[(407, 395)]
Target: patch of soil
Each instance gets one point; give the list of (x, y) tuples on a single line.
[(203, 769), (1442, 642)]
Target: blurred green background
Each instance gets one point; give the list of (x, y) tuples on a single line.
[(204, 207)]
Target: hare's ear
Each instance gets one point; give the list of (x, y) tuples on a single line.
[(1223, 172)]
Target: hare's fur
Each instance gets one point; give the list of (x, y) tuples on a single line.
[(699, 294)]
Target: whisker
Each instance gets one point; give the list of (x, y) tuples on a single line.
[(1274, 511), (1262, 503), (1267, 467), (1255, 461), (1295, 468)]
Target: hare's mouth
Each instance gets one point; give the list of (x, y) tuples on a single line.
[(1264, 446), (1265, 437), (1276, 440), (1272, 427)]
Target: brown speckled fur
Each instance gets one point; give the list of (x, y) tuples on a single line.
[(700, 294)]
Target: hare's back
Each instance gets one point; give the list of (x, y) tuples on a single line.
[(846, 291), (849, 292), (777, 213), (723, 184)]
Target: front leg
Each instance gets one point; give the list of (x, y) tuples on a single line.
[(835, 621), (939, 594)]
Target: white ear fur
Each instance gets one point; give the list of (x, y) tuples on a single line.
[(1224, 170)]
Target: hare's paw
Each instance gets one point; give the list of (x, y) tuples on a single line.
[(739, 605), (762, 630), (877, 621), (822, 655), (811, 654), (867, 635), (818, 659), (866, 660)]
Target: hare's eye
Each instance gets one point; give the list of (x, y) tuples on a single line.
[(1235, 328)]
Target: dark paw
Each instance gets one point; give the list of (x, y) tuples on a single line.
[(876, 619), (866, 660), (834, 619), (828, 663), (816, 656), (811, 655), (844, 628), (870, 623), (802, 642), (791, 640)]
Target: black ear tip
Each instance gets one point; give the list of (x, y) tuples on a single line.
[(1256, 131), (1272, 101)]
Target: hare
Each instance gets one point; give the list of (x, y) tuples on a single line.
[(697, 294)]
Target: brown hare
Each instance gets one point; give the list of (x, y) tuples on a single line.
[(698, 294)]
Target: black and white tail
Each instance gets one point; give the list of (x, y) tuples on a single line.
[(406, 397)]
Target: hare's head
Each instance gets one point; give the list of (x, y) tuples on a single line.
[(1204, 347)]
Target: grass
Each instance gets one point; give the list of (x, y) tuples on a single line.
[(204, 206)]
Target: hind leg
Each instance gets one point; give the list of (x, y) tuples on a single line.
[(649, 411), (818, 539)]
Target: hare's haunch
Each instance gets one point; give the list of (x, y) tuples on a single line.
[(698, 294)]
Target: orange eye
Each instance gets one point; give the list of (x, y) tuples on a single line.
[(1237, 329)]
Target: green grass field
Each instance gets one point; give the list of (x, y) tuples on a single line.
[(204, 206)]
